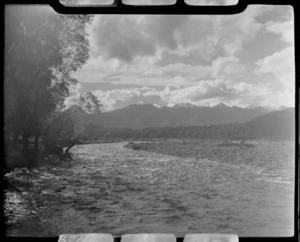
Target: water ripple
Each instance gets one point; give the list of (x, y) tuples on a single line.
[(111, 189)]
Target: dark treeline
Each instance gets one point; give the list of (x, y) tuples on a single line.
[(278, 124), (42, 51)]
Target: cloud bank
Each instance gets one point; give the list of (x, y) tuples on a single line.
[(243, 59)]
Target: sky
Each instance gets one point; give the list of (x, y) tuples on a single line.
[(243, 59)]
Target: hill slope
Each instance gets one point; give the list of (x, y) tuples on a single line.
[(274, 125), (146, 115)]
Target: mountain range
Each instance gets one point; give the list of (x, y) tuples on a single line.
[(139, 116), (278, 124)]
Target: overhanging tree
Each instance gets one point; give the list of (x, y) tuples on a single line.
[(65, 129)]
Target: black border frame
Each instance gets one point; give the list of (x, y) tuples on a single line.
[(181, 8)]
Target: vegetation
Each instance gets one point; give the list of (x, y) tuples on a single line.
[(42, 51)]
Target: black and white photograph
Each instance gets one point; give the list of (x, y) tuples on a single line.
[(136, 124)]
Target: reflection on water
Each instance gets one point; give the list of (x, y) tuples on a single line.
[(111, 189)]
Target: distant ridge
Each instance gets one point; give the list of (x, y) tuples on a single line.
[(279, 123), (273, 125), (138, 116)]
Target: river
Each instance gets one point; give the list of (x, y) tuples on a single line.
[(111, 189)]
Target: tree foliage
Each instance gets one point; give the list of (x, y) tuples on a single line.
[(42, 51), (79, 116)]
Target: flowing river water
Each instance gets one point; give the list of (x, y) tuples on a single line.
[(111, 189)]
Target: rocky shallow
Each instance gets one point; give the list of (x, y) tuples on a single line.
[(258, 155)]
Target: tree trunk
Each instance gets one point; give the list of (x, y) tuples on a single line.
[(25, 141), (6, 138), (15, 138), (69, 147), (36, 142), (73, 143)]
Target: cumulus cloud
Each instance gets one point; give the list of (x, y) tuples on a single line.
[(285, 29), (281, 65), (199, 59), (211, 92), (204, 92), (126, 37), (231, 32), (225, 66), (143, 73), (122, 37), (201, 90), (119, 98), (165, 29), (145, 40)]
